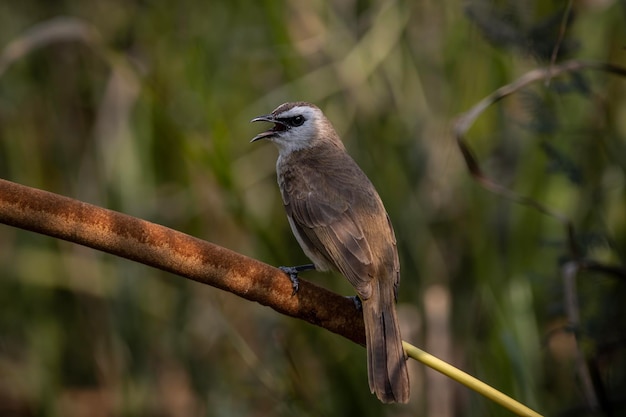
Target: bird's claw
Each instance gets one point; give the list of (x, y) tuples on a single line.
[(292, 273)]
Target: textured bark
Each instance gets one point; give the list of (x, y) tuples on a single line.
[(172, 251)]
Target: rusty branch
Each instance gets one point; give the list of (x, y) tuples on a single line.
[(172, 251)]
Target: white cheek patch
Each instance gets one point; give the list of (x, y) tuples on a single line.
[(297, 137), (288, 142)]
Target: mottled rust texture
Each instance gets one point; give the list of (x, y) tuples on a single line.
[(163, 248)]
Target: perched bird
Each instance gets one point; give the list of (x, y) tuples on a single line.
[(340, 222)]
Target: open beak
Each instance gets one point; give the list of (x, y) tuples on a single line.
[(278, 127)]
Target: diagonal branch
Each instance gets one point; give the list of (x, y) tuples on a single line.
[(166, 249), (172, 251)]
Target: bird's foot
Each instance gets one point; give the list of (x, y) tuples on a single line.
[(292, 273), (358, 304)]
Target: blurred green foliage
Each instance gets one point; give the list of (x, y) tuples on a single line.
[(143, 107)]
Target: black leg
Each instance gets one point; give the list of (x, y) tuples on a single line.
[(292, 273)]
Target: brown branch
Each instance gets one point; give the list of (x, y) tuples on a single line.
[(172, 251)]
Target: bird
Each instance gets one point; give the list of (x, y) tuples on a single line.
[(339, 220)]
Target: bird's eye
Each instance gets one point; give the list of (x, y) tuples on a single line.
[(297, 120)]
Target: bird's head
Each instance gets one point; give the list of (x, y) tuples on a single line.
[(298, 125)]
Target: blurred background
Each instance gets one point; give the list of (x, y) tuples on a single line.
[(144, 107)]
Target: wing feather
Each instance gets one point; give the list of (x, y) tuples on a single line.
[(328, 213)]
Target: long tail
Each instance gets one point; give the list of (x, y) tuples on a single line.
[(386, 364)]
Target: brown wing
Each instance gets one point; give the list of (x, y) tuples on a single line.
[(335, 209)]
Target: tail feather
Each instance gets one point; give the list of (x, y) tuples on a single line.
[(386, 365)]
